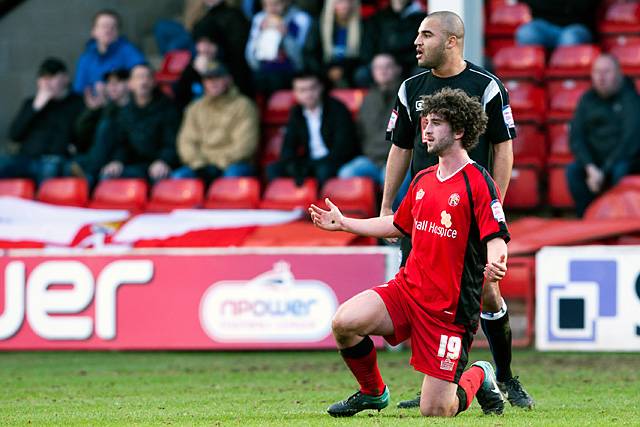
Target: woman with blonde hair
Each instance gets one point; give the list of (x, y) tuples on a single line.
[(340, 32)]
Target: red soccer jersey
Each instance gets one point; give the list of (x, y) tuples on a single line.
[(450, 221)]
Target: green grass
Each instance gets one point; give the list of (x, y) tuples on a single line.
[(289, 388)]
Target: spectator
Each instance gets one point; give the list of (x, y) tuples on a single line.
[(145, 132), (189, 85), (558, 23), (320, 135), (341, 30), (96, 127), (44, 126), (391, 30), (106, 51), (219, 133), (173, 35), (604, 133), (372, 121), (276, 44), (232, 29)]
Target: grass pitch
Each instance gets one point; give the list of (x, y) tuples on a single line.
[(289, 388)]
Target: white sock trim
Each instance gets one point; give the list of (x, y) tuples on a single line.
[(487, 315)]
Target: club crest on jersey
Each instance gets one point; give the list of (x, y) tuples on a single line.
[(445, 219), (454, 199), (420, 194), (419, 105)]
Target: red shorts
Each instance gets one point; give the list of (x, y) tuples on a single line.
[(439, 349)]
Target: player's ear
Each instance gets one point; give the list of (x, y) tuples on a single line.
[(458, 134)]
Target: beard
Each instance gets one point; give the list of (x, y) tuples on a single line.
[(433, 59), (440, 147)]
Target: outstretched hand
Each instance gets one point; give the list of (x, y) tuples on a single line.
[(330, 220), (496, 270)]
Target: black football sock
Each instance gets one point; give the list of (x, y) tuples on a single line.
[(497, 329)]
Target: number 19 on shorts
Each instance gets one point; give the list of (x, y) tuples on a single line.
[(450, 347)]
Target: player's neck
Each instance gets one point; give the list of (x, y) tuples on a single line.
[(451, 67), (452, 161)]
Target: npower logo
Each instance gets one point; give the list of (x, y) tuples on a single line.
[(272, 307), (53, 313)]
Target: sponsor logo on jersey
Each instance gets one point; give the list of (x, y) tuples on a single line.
[(392, 121), (438, 230), (498, 213), (420, 194), (445, 219), (447, 365), (454, 199), (507, 115), (419, 105)]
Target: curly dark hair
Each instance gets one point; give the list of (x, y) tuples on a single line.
[(463, 113)]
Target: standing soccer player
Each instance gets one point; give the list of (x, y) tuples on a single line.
[(453, 215), (439, 47)]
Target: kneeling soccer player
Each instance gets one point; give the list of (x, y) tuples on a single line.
[(453, 215)]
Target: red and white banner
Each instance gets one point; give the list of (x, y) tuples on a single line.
[(208, 299)]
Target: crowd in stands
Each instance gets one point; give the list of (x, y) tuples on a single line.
[(108, 118)]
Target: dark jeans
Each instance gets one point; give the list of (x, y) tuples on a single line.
[(577, 181), (210, 173), (36, 168), (321, 169)]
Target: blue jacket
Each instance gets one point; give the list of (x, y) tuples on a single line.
[(92, 65)]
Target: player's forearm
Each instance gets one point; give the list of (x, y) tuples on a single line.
[(502, 165), (379, 227), (497, 251), (397, 165)]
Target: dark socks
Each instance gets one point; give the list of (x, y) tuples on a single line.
[(362, 360), (498, 334)]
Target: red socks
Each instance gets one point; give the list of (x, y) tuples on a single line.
[(468, 386), (362, 360)]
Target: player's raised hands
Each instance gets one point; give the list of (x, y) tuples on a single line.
[(330, 220), (496, 270)]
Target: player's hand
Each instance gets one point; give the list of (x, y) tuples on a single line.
[(496, 271), (159, 170), (384, 212), (330, 220)]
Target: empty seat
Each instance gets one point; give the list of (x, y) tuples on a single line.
[(529, 147), (610, 41), (563, 102), (173, 64), (351, 98), (617, 203), (271, 145), (169, 194), (17, 187), (572, 61), (130, 194), (524, 189), (233, 193), (527, 102), (621, 18), (520, 62), (559, 196), (64, 191), (282, 193), (629, 57), (505, 19), (278, 106), (558, 137), (355, 196)]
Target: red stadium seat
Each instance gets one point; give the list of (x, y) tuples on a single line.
[(271, 146), (170, 194), (130, 194), (173, 65), (17, 187), (559, 196), (621, 18), (524, 189), (629, 58), (494, 45), (355, 196), (505, 19), (282, 193), (609, 42), (558, 136), (621, 201), (64, 191), (233, 193), (278, 106), (527, 102), (520, 62), (572, 61), (529, 147), (630, 181), (564, 100), (351, 98)]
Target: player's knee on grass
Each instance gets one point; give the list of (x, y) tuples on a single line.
[(491, 298), (437, 408)]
